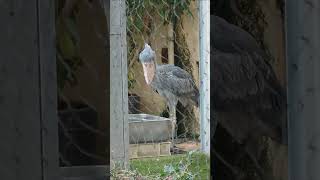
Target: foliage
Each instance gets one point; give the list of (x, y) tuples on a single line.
[(139, 11), (252, 18), (193, 165), (140, 14), (131, 80), (119, 173), (67, 45), (257, 23), (181, 169)]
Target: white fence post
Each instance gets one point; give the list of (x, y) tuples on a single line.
[(205, 75)]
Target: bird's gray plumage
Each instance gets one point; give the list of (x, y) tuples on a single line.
[(173, 82), (243, 79), (147, 55), (230, 38), (248, 100)]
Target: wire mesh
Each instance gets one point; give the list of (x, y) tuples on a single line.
[(171, 28), (160, 25), (82, 83), (248, 159)]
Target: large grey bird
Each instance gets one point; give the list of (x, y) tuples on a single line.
[(171, 82), (248, 99)]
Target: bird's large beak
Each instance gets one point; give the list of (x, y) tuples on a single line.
[(148, 71)]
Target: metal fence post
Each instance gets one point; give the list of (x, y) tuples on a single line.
[(303, 27), (205, 75)]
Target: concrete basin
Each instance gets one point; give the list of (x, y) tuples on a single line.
[(146, 128)]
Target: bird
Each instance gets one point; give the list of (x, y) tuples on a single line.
[(230, 7), (248, 99), (171, 82)]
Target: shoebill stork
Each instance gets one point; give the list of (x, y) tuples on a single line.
[(171, 82), (248, 100)]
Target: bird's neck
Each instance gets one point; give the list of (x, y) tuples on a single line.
[(155, 64)]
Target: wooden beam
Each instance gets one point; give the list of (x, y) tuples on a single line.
[(119, 138), (48, 90), (84, 172), (20, 150)]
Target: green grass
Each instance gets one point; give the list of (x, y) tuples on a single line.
[(195, 163)]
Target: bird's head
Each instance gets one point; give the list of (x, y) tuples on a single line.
[(147, 54), (147, 59)]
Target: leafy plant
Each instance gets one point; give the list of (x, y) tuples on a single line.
[(180, 170), (140, 15), (67, 44), (131, 80), (193, 165), (139, 12), (118, 174)]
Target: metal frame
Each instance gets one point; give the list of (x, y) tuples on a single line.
[(84, 173), (28, 93), (303, 55), (204, 15)]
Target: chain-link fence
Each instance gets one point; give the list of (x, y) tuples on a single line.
[(82, 69), (265, 157), (171, 28)]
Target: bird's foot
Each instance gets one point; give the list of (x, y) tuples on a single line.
[(175, 150), (173, 121)]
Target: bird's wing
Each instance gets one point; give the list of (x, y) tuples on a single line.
[(240, 80), (236, 39), (243, 81), (176, 80)]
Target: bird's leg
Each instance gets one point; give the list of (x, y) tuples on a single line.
[(252, 155), (173, 123), (237, 172)]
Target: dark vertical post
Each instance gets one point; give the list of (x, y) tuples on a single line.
[(20, 152), (27, 91), (303, 55), (48, 89)]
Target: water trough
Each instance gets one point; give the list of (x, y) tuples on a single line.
[(146, 128)]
